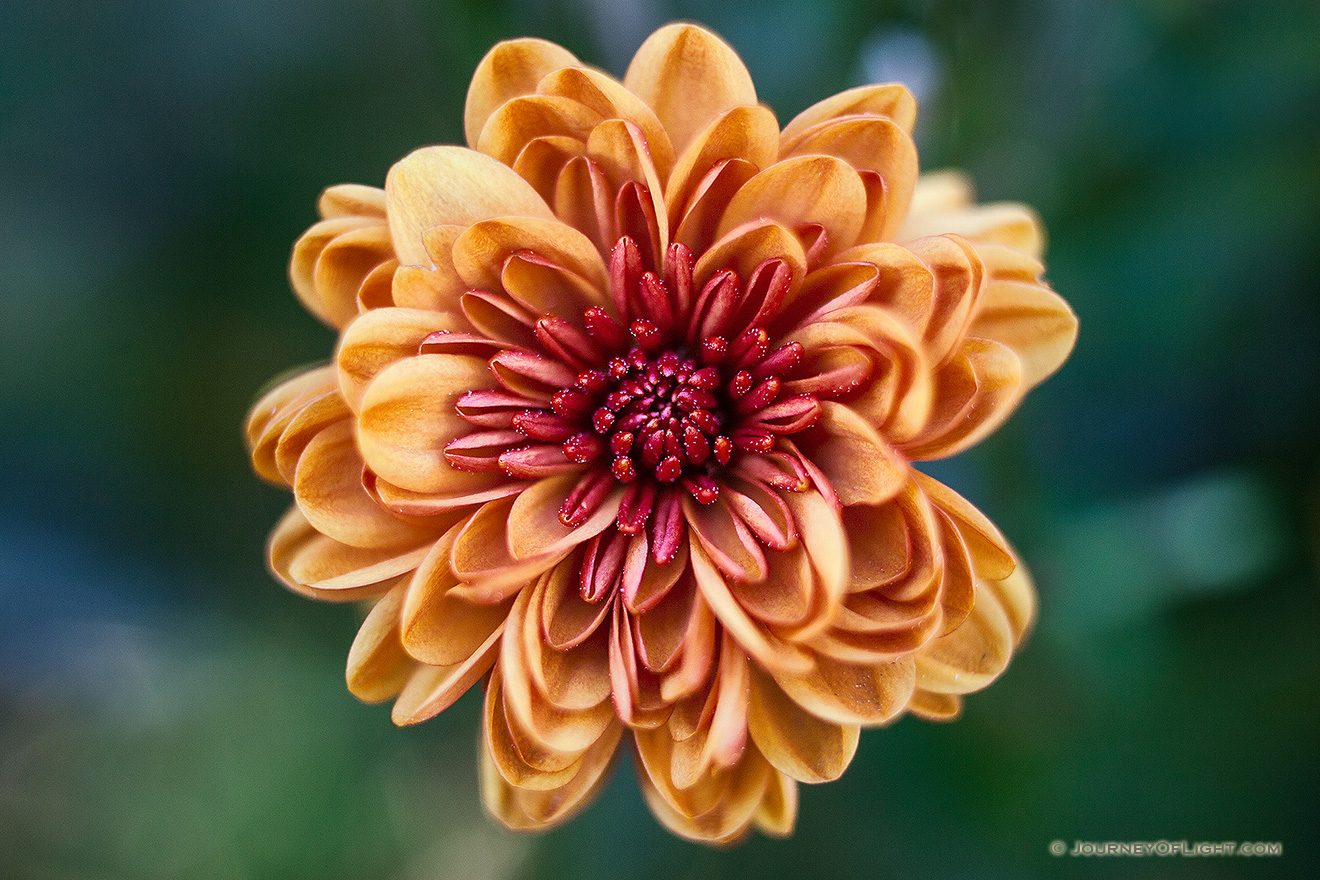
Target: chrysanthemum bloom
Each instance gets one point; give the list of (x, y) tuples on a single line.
[(623, 420)]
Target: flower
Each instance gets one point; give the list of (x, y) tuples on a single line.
[(623, 419)]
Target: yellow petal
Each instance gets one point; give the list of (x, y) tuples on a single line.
[(408, 416), (509, 70), (689, 77), (795, 741), (378, 668), (891, 100), (777, 812), (454, 186)]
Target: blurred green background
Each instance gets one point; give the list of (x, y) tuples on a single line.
[(167, 711)]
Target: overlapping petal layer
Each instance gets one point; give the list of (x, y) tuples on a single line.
[(623, 418)]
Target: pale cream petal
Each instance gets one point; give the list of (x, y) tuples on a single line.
[(795, 741), (509, 70), (689, 77), (408, 416), (378, 667), (891, 100), (446, 185)]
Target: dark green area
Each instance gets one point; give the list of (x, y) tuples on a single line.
[(167, 711)]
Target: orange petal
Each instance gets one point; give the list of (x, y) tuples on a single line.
[(408, 416), (525, 810), (1024, 315), (842, 693), (746, 133), (612, 101), (308, 562), (509, 70), (271, 415), (971, 656), (991, 556), (440, 626), (689, 77), (819, 190), (935, 707), (351, 200), (328, 489), (522, 120), (480, 255), (974, 394), (534, 527), (522, 761), (861, 465), (891, 100), (481, 558), (564, 730), (378, 667), (336, 305), (795, 741), (432, 689), (943, 203), (381, 337), (870, 143), (768, 651), (454, 186), (777, 812), (744, 249)]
